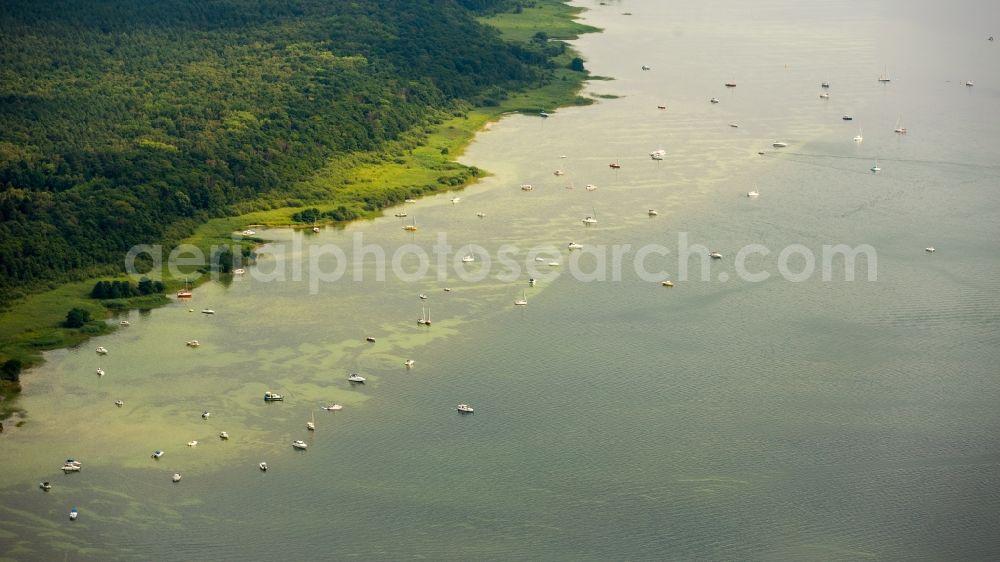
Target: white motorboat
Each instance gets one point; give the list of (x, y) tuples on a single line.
[(73, 462), (370, 339), (731, 84), (408, 363), (333, 407), (193, 343), (652, 212), (100, 371), (779, 144), (930, 249), (647, 67), (455, 199), (400, 215), (119, 403), (248, 232), (824, 96), (193, 443), (481, 215), (239, 271), (465, 409), (615, 165), (262, 466), (558, 173), (658, 154), (422, 296), (73, 514), (67, 468), (176, 477), (157, 454), (299, 444), (207, 311), (355, 377), (224, 435), (468, 258), (667, 283), (124, 323), (45, 486), (715, 256), (526, 187), (315, 229), (714, 100), (101, 350), (272, 397), (575, 246), (969, 83), (409, 200), (734, 125), (591, 187), (205, 415)]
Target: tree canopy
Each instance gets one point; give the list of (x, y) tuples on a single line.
[(125, 122)]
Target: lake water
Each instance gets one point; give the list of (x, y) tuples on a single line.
[(720, 419)]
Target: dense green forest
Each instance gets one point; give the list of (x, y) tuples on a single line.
[(132, 121)]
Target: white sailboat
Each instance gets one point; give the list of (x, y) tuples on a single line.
[(884, 77), (425, 317), (899, 128), (859, 137), (311, 424), (875, 168), (590, 219), (411, 227), (521, 301), (753, 193)]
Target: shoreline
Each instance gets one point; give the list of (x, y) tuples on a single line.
[(33, 325)]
